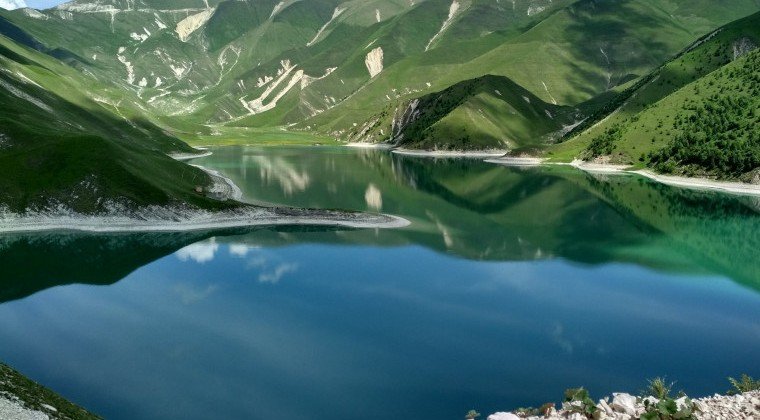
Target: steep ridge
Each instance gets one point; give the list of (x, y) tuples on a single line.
[(661, 121), (566, 55), (59, 149), (490, 112), (329, 66)]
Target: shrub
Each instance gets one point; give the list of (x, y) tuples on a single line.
[(658, 388), (580, 402), (745, 384), (471, 415), (667, 409)]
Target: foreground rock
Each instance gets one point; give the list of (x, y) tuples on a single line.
[(628, 407), (22, 399)]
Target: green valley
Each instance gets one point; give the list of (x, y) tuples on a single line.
[(605, 81)]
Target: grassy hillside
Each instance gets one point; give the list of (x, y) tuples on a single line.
[(344, 69), (490, 112), (60, 149), (566, 55), (696, 114)]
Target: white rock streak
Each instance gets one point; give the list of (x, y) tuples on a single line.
[(127, 64), (257, 106), (18, 93), (307, 80), (277, 9), (338, 11), (453, 10), (374, 61), (191, 23), (546, 88)]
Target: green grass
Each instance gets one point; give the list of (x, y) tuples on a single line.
[(61, 147), (228, 136), (664, 121)]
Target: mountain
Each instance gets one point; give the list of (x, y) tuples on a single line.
[(66, 144), (490, 112), (130, 78), (697, 114), (327, 64)]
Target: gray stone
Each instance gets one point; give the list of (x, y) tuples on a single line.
[(624, 403), (503, 416)]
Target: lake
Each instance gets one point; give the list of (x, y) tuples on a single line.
[(510, 285)]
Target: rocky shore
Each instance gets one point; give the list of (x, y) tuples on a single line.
[(23, 399), (628, 407)]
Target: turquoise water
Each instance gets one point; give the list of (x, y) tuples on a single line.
[(509, 286)]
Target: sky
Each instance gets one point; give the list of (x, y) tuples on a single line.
[(43, 4), (37, 4)]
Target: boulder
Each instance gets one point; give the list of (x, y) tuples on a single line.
[(503, 416), (624, 403), (605, 407)]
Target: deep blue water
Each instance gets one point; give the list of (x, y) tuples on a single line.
[(426, 322)]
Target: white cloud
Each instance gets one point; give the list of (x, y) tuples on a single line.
[(190, 295), (12, 4), (275, 276), (201, 252), (237, 250)]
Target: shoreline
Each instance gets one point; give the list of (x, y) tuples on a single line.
[(166, 219), (185, 219), (703, 184), (517, 161), (223, 187), (626, 406), (204, 152), (475, 154), (380, 146)]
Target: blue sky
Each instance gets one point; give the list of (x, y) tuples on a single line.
[(43, 4)]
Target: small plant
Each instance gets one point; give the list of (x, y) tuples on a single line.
[(472, 415), (658, 388), (745, 384), (579, 401), (526, 411), (545, 409), (667, 409)]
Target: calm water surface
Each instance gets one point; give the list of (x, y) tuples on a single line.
[(509, 286)]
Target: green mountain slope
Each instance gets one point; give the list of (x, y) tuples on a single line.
[(59, 149), (330, 64), (344, 69), (490, 112), (697, 114), (566, 55)]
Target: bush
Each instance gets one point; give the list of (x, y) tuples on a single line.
[(471, 415), (667, 409), (579, 402), (745, 384), (658, 388)]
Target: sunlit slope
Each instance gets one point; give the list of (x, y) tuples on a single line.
[(565, 56), (328, 65), (697, 114), (489, 112), (61, 150)]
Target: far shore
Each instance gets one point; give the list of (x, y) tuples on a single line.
[(183, 218), (673, 180), (202, 152), (474, 154), (383, 146)]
